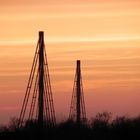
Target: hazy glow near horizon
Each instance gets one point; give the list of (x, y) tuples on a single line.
[(104, 34)]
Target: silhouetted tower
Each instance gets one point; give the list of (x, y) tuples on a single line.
[(39, 89), (77, 108)]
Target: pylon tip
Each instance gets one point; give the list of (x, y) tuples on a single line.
[(41, 33)]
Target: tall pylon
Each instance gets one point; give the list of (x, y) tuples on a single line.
[(39, 89), (77, 108)]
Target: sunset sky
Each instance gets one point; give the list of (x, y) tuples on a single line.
[(103, 34)]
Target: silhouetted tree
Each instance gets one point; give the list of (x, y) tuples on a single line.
[(13, 124), (101, 120), (101, 127)]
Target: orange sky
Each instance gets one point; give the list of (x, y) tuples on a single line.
[(104, 34)]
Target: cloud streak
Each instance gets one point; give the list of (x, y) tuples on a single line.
[(73, 40)]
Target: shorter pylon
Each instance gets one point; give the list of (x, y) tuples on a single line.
[(77, 108)]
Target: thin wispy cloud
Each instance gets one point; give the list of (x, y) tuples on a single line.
[(73, 40)]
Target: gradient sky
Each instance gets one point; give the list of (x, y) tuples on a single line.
[(104, 34)]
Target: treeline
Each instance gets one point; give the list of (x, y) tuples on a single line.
[(101, 127)]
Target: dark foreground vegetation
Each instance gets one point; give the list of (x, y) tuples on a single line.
[(102, 127)]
